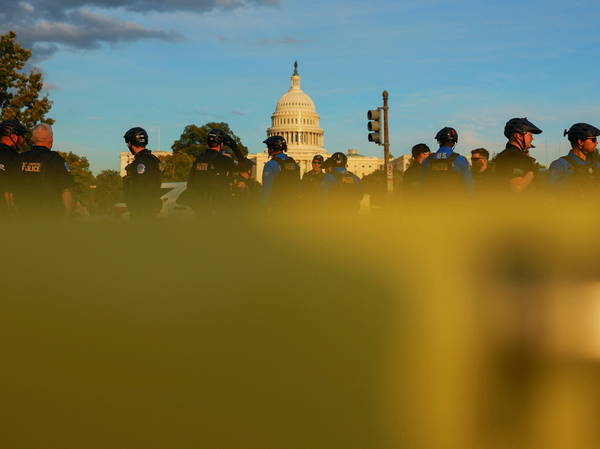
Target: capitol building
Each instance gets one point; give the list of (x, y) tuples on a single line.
[(296, 119)]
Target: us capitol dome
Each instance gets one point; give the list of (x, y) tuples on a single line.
[(296, 119)]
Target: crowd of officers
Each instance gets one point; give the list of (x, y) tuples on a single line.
[(513, 170), (38, 181), (33, 182)]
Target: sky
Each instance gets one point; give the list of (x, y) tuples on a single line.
[(164, 64)]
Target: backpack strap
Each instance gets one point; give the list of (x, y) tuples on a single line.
[(571, 161), (279, 162), (337, 175)]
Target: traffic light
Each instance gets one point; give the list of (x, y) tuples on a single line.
[(374, 126)]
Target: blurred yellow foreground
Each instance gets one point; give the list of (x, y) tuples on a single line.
[(443, 325)]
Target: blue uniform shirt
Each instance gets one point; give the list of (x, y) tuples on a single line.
[(270, 172), (561, 173), (460, 166), (330, 180)]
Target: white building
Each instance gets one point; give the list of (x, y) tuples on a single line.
[(297, 120), (401, 163)]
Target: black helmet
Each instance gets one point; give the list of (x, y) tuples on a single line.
[(339, 159), (12, 126), (245, 165), (520, 126), (581, 131), (276, 143), (137, 137), (216, 136), (447, 134), (318, 157)]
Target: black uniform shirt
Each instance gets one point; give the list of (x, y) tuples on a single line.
[(210, 179), (246, 190), (8, 168), (413, 175), (141, 185), (512, 163), (211, 169)]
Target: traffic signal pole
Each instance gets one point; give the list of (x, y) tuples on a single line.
[(389, 171), (375, 117)]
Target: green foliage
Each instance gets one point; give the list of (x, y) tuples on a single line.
[(20, 90), (176, 167), (82, 177), (109, 186), (193, 139)]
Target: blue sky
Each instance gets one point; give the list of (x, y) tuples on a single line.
[(470, 65)]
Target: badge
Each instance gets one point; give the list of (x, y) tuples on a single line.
[(67, 167), (140, 169)]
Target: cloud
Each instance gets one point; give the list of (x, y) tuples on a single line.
[(47, 25), (266, 41), (280, 41)]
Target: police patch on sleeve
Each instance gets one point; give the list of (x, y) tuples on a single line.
[(140, 169)]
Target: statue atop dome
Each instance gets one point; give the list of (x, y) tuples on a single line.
[(296, 69)]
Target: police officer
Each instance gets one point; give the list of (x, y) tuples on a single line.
[(514, 169), (12, 134), (211, 177), (411, 181), (578, 171), (141, 186), (341, 187), (245, 189), (281, 175), (45, 181), (446, 169), (480, 168), (311, 181)]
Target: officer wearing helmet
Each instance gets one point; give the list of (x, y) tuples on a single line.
[(341, 187), (311, 181), (578, 170), (141, 185), (281, 175), (211, 176), (514, 169), (12, 134), (445, 168)]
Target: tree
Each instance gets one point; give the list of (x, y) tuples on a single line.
[(82, 177), (109, 186), (20, 90), (176, 167), (193, 139)]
